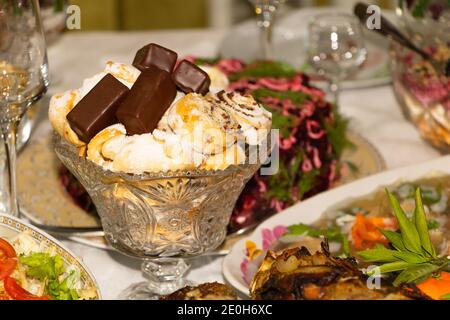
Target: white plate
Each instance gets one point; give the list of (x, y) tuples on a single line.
[(311, 210), (290, 32), (9, 227)]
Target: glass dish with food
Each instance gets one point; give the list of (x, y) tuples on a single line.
[(422, 91), (164, 152), (34, 266)]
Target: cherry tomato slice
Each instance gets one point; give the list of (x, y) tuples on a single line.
[(7, 267), (16, 292), (7, 249)]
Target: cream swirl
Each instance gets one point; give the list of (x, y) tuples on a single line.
[(210, 128), (195, 132), (254, 120)]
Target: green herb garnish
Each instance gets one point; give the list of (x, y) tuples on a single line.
[(431, 195), (261, 69), (307, 182), (207, 61), (281, 122), (337, 133), (281, 184), (413, 256), (333, 233), (433, 225), (296, 97), (446, 296)]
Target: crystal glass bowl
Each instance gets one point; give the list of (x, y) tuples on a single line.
[(424, 98), (423, 93), (160, 217)]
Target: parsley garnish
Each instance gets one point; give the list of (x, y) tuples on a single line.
[(296, 97), (263, 69), (282, 123), (337, 133)]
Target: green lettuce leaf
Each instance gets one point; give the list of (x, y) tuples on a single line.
[(42, 265), (64, 290)]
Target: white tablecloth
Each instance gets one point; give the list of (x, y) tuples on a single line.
[(374, 113)]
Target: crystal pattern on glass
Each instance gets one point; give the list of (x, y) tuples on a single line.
[(158, 215)]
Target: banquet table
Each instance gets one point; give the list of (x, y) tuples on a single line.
[(374, 113)]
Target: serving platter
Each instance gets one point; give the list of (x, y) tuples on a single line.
[(10, 227), (309, 211), (290, 36), (47, 203)]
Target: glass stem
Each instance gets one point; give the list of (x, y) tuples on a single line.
[(9, 132), (335, 89), (265, 23), (165, 275)]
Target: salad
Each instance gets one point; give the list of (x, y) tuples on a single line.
[(29, 271)]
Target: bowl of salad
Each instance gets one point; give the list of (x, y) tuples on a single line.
[(35, 266), (422, 91)]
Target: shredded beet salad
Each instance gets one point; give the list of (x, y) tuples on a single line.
[(312, 138)]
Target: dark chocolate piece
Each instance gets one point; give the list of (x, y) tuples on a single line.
[(155, 55), (97, 110), (190, 78), (149, 98)]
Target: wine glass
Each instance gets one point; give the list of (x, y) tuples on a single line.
[(336, 48), (266, 11), (23, 75)]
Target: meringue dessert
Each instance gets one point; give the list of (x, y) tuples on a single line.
[(153, 116)]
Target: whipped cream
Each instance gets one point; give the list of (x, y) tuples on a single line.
[(195, 132), (219, 80)]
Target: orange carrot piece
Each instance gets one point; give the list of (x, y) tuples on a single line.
[(436, 288)]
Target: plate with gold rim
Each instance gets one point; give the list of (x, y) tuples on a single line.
[(11, 227)]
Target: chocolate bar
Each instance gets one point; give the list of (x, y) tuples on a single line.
[(97, 110), (190, 78), (155, 55), (149, 98)]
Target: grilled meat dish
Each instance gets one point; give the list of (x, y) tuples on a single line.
[(207, 291), (296, 274)]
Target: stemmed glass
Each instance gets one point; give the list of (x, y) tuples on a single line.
[(23, 75), (336, 48), (162, 218), (266, 11)]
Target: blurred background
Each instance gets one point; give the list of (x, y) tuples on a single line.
[(175, 14)]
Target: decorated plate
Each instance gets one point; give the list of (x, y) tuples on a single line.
[(237, 267), (11, 227)]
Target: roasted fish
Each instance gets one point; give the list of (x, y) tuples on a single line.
[(296, 274)]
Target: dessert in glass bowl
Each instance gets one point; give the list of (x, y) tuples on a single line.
[(312, 139), (164, 152)]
